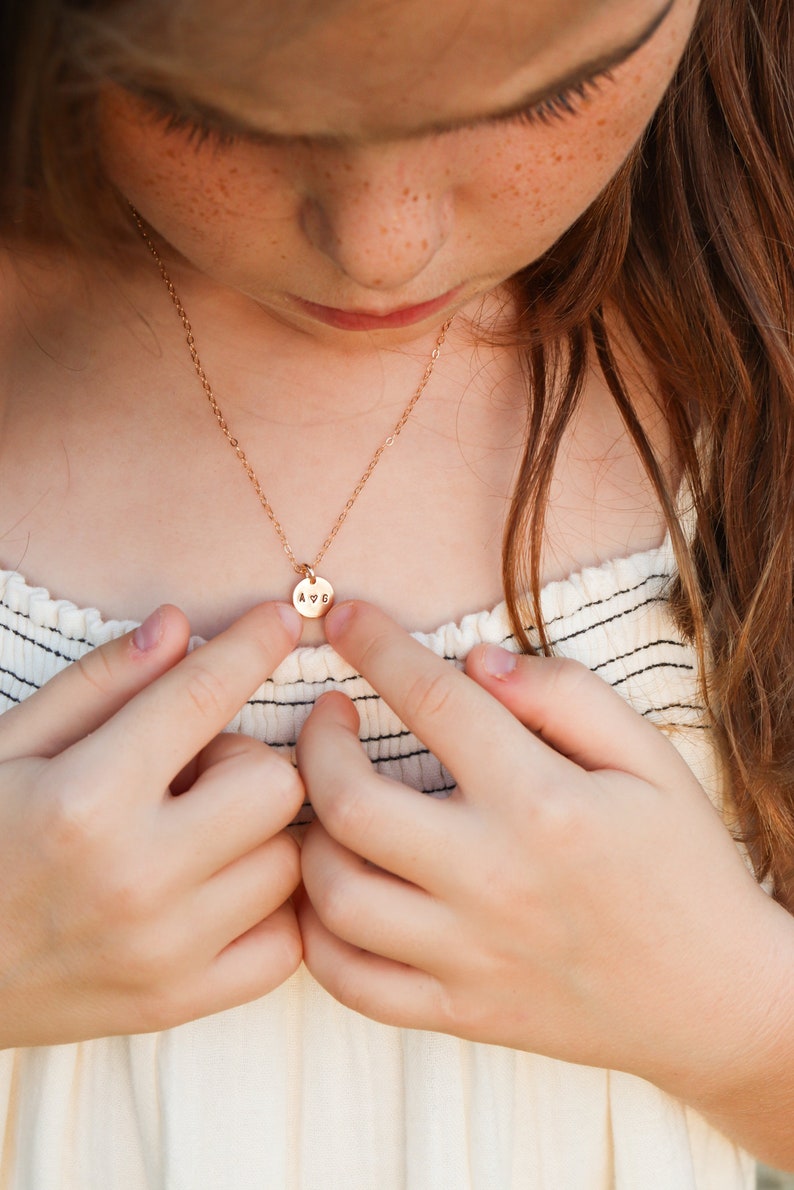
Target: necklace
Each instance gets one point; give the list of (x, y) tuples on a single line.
[(313, 595)]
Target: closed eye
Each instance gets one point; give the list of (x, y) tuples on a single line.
[(203, 127), (564, 104)]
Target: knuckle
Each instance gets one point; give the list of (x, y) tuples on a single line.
[(72, 818), (288, 950), (96, 671), (284, 784), (429, 696), (348, 990), (207, 691), (160, 1007), (132, 896), (285, 865), (563, 822), (567, 676), (151, 959), (347, 812), (336, 904)]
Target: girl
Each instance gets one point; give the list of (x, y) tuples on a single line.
[(524, 270)]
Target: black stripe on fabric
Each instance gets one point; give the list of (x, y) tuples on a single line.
[(607, 598), (674, 706), (678, 644), (304, 702), (373, 740), (405, 755), (29, 640), (18, 678), (389, 735), (635, 607), (595, 623), (672, 725), (647, 668)]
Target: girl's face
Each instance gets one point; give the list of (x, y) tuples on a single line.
[(375, 164)]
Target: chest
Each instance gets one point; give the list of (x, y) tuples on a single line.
[(118, 489)]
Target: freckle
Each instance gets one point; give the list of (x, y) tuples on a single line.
[(518, 166), (406, 191)]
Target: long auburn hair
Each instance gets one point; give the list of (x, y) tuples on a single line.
[(692, 242)]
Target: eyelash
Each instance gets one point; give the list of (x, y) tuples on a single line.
[(201, 130), (565, 104)]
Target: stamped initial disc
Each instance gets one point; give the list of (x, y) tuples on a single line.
[(313, 597)]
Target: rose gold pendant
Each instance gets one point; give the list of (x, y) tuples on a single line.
[(313, 596)]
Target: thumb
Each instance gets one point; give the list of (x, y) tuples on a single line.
[(571, 709), (86, 693)]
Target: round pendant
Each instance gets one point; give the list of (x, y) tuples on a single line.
[(313, 597)]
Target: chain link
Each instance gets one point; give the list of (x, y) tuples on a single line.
[(302, 568)]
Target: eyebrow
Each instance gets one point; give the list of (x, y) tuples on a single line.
[(589, 69)]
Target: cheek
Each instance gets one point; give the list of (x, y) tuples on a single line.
[(540, 178), (209, 202)]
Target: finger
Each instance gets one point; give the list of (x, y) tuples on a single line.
[(248, 891), (249, 967), (379, 988), (466, 728), (367, 907), (89, 691), (391, 825), (246, 793), (572, 709), (158, 731)]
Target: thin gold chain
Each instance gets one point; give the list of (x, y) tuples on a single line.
[(299, 567)]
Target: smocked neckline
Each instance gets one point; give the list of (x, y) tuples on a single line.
[(559, 598)]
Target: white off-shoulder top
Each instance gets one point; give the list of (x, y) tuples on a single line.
[(295, 1092)]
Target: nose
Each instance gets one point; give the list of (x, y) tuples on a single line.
[(380, 214)]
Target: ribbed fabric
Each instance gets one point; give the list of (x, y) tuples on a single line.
[(295, 1092)]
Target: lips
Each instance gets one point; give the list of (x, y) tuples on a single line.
[(366, 320)]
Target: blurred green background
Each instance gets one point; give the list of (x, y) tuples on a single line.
[(769, 1179)]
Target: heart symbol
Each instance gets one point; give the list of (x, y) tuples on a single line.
[(313, 598)]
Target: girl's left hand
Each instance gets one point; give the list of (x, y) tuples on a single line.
[(577, 895)]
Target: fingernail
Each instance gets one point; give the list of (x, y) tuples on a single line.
[(290, 619), (497, 662), (148, 634), (337, 618)]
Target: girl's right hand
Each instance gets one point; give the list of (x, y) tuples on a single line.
[(124, 908)]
